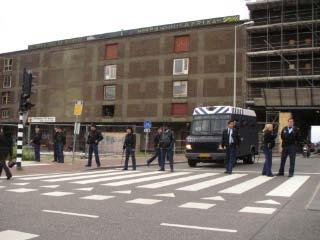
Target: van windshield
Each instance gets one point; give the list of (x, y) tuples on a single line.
[(209, 124)]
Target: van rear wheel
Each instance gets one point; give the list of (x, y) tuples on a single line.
[(251, 158), (192, 163)]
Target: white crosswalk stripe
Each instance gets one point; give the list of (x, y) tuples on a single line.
[(211, 183), (115, 178), (145, 179), (65, 175), (87, 176), (176, 181), (247, 185), (289, 187)]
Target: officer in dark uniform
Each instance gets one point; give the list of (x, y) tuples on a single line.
[(156, 148), (129, 146), (230, 142), (166, 145), (6, 144), (290, 136), (94, 138), (61, 142), (55, 148)]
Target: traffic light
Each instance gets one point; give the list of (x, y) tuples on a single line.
[(25, 103)]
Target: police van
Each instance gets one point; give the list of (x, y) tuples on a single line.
[(202, 145)]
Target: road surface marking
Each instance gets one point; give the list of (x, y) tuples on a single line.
[(145, 179), (211, 183), (129, 175), (258, 210), (199, 228), (57, 194), (289, 187), (2, 186), (72, 214), (197, 205), (176, 181), (64, 175), (97, 197), (123, 192), (170, 195), (22, 190), (20, 184), (144, 201), (50, 186), (216, 198), (84, 177), (247, 185), (15, 235), (270, 201), (84, 189)]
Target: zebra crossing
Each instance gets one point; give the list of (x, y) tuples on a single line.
[(152, 187)]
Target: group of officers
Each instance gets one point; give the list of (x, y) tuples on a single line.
[(290, 137)]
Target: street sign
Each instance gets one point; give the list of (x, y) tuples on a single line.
[(147, 130), (41, 119), (147, 124), (76, 128), (78, 106)]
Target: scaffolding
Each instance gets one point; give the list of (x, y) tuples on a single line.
[(284, 52)]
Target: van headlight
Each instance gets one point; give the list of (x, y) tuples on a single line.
[(188, 147)]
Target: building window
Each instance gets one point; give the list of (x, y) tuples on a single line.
[(5, 98), (110, 72), (292, 66), (111, 51), (108, 110), (7, 81), (181, 66), (8, 64), (180, 89), (307, 66), (181, 43), (4, 114), (179, 109), (109, 92)]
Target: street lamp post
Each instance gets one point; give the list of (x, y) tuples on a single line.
[(235, 62)]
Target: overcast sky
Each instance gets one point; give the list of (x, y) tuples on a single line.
[(25, 22)]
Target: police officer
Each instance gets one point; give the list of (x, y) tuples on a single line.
[(129, 146), (166, 145), (94, 138), (290, 136), (55, 148), (6, 144), (36, 141), (156, 148), (230, 142), (60, 141)]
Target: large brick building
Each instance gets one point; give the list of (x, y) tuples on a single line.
[(157, 73)]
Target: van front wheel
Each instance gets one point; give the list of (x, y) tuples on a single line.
[(192, 163)]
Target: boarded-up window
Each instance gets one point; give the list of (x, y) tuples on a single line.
[(179, 109), (111, 51), (181, 43)]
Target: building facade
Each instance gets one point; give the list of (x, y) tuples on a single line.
[(284, 61), (157, 73)]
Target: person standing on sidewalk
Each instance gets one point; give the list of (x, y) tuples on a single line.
[(36, 141), (55, 148), (268, 144), (230, 142), (129, 146), (6, 143), (61, 142), (93, 140), (166, 144), (156, 148), (290, 136)]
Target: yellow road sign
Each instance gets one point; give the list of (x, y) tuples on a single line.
[(78, 108)]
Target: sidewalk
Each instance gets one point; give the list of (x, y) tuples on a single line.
[(47, 166)]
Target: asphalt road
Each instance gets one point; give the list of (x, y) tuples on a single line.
[(77, 205)]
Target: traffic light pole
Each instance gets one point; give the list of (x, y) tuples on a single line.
[(20, 141)]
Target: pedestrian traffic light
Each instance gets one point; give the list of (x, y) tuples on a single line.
[(25, 103)]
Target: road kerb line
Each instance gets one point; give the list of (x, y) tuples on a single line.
[(199, 228), (70, 213)]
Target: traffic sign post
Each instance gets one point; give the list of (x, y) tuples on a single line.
[(77, 111), (147, 129)]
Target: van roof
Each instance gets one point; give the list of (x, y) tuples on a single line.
[(210, 110)]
